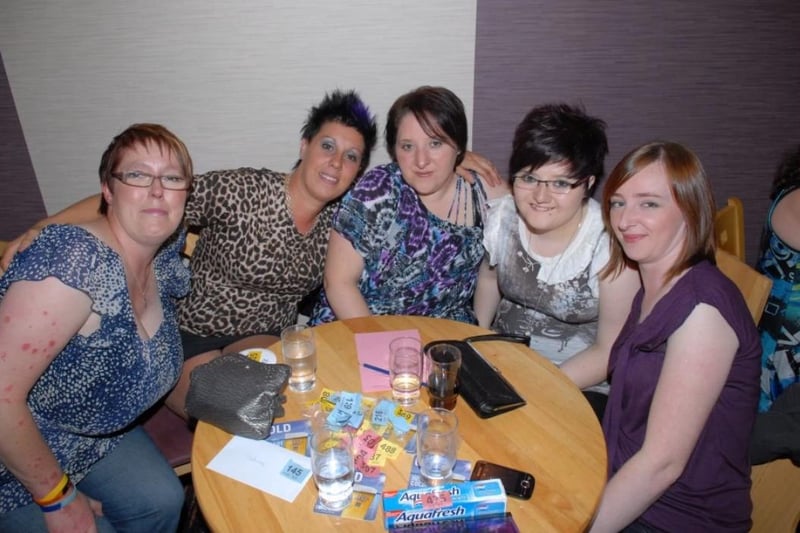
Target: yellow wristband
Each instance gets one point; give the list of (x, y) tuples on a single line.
[(56, 493)]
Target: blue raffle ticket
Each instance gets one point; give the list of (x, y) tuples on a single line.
[(455, 501)]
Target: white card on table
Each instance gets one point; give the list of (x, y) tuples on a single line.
[(263, 465)]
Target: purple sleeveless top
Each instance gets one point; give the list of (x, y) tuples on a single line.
[(713, 492)]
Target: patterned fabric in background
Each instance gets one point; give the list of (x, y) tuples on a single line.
[(780, 322)]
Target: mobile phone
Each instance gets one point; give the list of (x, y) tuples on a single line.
[(517, 483)]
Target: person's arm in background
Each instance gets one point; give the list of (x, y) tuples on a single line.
[(590, 366), (697, 362), (343, 268), (487, 294), (80, 212), (39, 319), (482, 166), (786, 219)]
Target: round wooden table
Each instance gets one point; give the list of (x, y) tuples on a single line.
[(556, 437)]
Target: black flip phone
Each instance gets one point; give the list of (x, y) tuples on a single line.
[(517, 483)]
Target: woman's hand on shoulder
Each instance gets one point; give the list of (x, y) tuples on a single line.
[(19, 244), (481, 166)]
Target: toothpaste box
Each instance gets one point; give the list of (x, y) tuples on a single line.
[(454, 501)]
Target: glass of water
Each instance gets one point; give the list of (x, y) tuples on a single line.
[(332, 466), (437, 443), (405, 369), (300, 353)]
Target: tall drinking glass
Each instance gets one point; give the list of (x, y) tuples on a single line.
[(437, 443), (444, 360), (332, 466), (300, 353), (405, 369)]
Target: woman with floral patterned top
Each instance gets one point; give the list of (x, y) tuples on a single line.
[(407, 238), (89, 341)]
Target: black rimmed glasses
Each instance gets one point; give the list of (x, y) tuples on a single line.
[(136, 178), (560, 186)]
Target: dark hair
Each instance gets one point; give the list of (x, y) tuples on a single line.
[(141, 134), (348, 109), (788, 172), (691, 191), (439, 112), (559, 133)]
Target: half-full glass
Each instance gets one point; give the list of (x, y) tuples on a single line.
[(300, 353), (405, 369)]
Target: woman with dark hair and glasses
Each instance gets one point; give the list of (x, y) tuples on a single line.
[(407, 237), (89, 341), (546, 244)]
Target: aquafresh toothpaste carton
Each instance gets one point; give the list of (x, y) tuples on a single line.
[(454, 501)]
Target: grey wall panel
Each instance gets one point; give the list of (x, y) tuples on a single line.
[(21, 202), (721, 76)]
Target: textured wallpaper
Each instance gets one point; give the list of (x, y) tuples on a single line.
[(233, 79)]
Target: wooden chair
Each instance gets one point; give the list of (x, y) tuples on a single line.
[(729, 227), (191, 242), (172, 437), (776, 497), (776, 485), (754, 287)]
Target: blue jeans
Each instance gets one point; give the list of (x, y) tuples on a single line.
[(139, 491)]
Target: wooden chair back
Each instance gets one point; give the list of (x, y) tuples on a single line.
[(754, 287), (776, 485), (191, 242), (776, 497), (729, 227)]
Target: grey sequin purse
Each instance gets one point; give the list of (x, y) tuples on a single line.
[(237, 394)]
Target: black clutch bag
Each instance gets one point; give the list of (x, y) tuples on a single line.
[(237, 394), (485, 389)]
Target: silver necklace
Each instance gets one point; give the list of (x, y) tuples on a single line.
[(457, 202)]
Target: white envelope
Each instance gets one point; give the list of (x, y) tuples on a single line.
[(263, 465)]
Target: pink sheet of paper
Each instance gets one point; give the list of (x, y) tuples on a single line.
[(373, 349)]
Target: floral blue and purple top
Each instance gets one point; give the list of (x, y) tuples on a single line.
[(99, 384), (780, 322), (414, 262)]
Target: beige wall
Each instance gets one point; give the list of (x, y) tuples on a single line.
[(234, 79)]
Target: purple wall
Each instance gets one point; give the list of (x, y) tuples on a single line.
[(722, 77), (21, 201)]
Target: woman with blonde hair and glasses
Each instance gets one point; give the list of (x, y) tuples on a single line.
[(684, 369), (546, 244)]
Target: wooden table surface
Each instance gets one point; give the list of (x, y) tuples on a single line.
[(556, 437)]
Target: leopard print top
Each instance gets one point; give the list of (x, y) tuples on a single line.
[(251, 266)]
